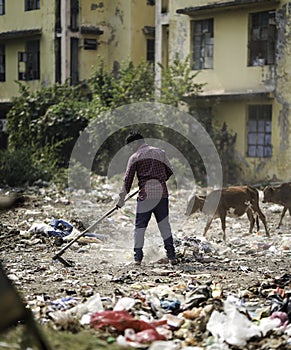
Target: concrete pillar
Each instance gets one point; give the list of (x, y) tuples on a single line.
[(158, 48)]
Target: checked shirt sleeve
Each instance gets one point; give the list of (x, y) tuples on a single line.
[(129, 175)]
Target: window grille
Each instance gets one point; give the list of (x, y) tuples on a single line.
[(2, 62), (31, 5), (260, 131), (151, 50), (202, 44), (29, 62), (262, 38), (2, 7)]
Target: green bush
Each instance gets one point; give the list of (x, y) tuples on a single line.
[(21, 167), (52, 116), (49, 121)]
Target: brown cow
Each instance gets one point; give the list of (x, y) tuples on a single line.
[(235, 200), (280, 194)]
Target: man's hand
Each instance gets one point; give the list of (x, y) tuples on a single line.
[(120, 203)]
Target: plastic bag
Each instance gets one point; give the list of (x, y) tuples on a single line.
[(121, 320)]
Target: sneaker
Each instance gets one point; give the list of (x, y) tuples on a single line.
[(137, 262)]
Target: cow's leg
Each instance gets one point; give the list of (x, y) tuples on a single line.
[(263, 218), (257, 223), (208, 223), (282, 215), (223, 226), (251, 220)]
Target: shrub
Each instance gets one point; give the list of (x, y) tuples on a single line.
[(21, 167)]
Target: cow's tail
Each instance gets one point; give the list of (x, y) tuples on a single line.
[(254, 195)]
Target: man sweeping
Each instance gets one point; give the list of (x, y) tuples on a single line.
[(153, 169)]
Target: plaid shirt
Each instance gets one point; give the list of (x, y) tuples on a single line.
[(153, 169)]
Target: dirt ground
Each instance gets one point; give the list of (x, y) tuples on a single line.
[(248, 267)]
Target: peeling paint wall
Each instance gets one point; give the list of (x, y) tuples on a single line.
[(141, 15), (122, 24), (230, 51), (44, 19), (231, 76), (179, 42), (123, 39), (283, 87), (283, 72)]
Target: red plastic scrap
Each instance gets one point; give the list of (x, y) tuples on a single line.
[(121, 320), (280, 292)]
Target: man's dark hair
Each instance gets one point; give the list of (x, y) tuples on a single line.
[(133, 136)]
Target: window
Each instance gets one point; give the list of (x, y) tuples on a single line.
[(151, 50), (29, 62), (262, 38), (74, 68), (165, 6), (32, 5), (74, 15), (58, 23), (202, 44), (2, 62), (2, 7), (33, 60), (90, 44), (260, 131), (58, 57)]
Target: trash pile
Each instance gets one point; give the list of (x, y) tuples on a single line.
[(221, 295), (187, 315)]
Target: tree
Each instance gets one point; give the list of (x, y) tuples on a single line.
[(53, 117)]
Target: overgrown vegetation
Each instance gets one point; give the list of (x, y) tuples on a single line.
[(25, 166), (44, 125)]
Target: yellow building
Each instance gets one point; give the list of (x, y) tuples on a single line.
[(241, 49), (43, 42)]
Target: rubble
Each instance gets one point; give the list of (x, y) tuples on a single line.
[(221, 295)]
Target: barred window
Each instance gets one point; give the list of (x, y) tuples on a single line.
[(2, 62), (2, 7), (31, 5), (74, 68), (29, 62), (151, 50), (202, 44), (262, 38), (74, 15), (260, 131)]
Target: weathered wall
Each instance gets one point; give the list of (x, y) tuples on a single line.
[(123, 39), (234, 113), (121, 21), (232, 75), (230, 51), (141, 15), (44, 19), (283, 87), (94, 13)]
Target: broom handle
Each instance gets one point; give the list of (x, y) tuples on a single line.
[(91, 226)]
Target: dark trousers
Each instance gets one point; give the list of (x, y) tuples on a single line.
[(144, 211)]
